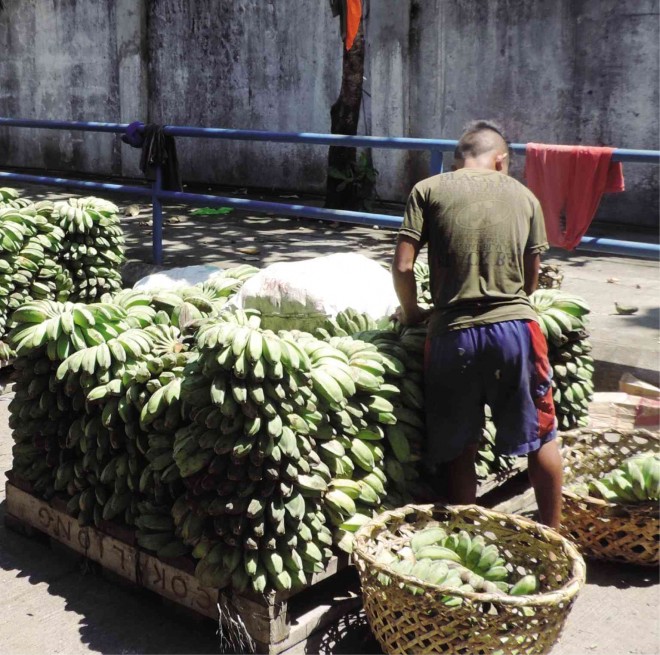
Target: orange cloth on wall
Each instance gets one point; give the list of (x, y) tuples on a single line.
[(569, 181), (353, 16)]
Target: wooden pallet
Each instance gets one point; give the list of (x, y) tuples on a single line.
[(496, 480), (274, 623)]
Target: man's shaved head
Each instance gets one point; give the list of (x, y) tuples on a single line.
[(479, 138)]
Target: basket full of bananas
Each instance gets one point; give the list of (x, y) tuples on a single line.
[(611, 493), (463, 579)]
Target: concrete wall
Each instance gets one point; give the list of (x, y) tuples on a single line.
[(251, 64), (567, 71), (71, 60)]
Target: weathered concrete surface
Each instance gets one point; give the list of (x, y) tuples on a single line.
[(568, 71), (59, 62), (245, 64), (131, 53)]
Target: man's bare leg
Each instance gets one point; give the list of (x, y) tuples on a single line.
[(545, 474), (462, 478)]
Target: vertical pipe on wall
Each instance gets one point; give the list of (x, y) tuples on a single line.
[(157, 216)]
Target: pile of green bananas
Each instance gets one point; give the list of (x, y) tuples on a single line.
[(635, 480), (64, 350), (254, 451), (562, 320), (29, 259), (402, 382), (358, 413), (299, 461), (254, 513), (150, 406), (93, 249), (179, 416), (397, 377), (77, 368), (64, 251), (457, 560)]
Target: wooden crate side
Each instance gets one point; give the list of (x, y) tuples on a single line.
[(86, 540), (266, 624), (332, 600), (19, 482), (273, 625), (116, 556), (176, 585), (497, 480)]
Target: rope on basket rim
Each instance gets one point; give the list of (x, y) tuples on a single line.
[(566, 592)]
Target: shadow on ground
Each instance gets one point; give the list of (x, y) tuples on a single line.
[(351, 634), (217, 239), (621, 576)]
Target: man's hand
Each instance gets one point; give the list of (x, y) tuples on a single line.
[(414, 316)]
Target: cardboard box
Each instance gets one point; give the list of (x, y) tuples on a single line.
[(631, 385), (623, 411)]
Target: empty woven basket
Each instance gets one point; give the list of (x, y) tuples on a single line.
[(483, 622), (603, 530)]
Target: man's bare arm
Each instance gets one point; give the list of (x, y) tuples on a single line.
[(403, 275), (532, 264)]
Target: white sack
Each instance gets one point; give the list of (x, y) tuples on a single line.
[(178, 278), (301, 295)]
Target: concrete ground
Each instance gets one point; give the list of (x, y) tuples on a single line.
[(55, 604)]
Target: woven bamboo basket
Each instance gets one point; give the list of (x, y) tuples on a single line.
[(610, 531), (483, 622)]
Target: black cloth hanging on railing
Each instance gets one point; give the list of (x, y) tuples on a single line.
[(158, 148)]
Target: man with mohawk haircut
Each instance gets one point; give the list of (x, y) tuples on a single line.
[(485, 234)]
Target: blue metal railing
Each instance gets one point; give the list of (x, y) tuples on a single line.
[(436, 148)]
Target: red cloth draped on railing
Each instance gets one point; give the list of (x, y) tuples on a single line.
[(569, 182)]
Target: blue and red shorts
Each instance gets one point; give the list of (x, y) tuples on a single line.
[(504, 365)]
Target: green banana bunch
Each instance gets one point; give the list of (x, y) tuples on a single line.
[(487, 461), (423, 280), (255, 482), (562, 320), (7, 195), (6, 352), (456, 560), (93, 246), (70, 366), (635, 480), (40, 260)]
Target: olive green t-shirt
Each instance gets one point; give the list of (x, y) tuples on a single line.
[(478, 225)]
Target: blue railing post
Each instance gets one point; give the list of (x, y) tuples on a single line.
[(436, 162), (157, 216)]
